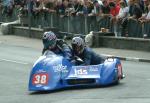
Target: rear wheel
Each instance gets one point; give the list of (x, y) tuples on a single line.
[(119, 72), (118, 75)]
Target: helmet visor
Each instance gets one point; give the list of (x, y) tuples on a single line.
[(76, 48), (49, 44)]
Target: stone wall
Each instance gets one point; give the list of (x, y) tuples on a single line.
[(99, 39), (122, 43)]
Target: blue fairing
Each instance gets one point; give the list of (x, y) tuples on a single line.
[(54, 71)]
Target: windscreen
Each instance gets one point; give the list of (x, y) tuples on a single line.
[(49, 53)]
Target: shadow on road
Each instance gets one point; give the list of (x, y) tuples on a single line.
[(74, 88)]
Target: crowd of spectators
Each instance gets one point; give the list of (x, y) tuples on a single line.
[(118, 11)]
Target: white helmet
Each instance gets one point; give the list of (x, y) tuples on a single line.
[(49, 39), (78, 44)]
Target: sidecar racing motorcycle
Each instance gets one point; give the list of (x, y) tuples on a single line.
[(53, 71)]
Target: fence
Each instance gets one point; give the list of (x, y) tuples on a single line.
[(77, 24)]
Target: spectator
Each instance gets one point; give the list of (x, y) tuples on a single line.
[(90, 10), (94, 16), (134, 10), (135, 13), (105, 9), (77, 18), (105, 16), (146, 3), (49, 6), (62, 9), (58, 4), (100, 2), (141, 4), (23, 11), (145, 21), (114, 9), (38, 7), (1, 5), (74, 12), (124, 9), (121, 19), (19, 2), (88, 7), (97, 7), (8, 8), (77, 8), (146, 17), (47, 9)]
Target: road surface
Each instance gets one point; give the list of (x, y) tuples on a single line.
[(16, 61)]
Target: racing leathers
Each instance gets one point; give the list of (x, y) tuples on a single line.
[(89, 57), (61, 48)]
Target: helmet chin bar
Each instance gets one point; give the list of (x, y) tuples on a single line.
[(52, 46), (81, 51), (78, 50)]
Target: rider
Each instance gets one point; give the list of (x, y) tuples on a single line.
[(55, 45), (88, 56)]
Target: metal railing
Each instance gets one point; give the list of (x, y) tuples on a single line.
[(77, 24)]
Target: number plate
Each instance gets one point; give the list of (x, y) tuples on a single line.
[(40, 79)]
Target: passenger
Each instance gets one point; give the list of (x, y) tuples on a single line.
[(88, 56), (55, 45)]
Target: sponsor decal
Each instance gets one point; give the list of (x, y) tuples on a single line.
[(60, 68), (80, 71), (41, 71), (85, 70), (94, 68)]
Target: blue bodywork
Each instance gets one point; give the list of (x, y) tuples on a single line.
[(53, 71)]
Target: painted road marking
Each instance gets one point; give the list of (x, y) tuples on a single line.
[(13, 61), (132, 59)]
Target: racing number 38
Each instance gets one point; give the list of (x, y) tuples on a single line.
[(40, 79)]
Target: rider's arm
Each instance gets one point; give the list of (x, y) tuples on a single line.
[(87, 57), (65, 49), (87, 60)]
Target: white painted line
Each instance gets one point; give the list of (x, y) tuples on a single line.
[(13, 61), (126, 58), (148, 79), (107, 55), (132, 59)]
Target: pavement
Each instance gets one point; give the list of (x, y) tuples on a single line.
[(127, 55)]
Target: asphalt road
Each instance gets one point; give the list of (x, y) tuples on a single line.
[(16, 62)]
